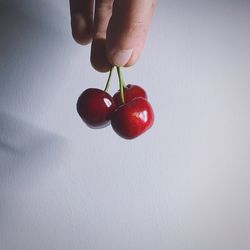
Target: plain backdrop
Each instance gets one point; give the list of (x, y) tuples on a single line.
[(184, 185)]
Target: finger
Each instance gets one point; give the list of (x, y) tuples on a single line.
[(81, 20), (127, 30), (103, 12), (98, 57)]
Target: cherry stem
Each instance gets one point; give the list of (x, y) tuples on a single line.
[(109, 78), (121, 83)]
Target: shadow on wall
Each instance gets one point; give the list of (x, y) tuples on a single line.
[(23, 146), (24, 47)]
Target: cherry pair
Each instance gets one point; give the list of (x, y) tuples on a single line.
[(128, 110)]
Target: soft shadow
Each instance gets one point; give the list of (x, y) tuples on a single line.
[(27, 41), (24, 147)]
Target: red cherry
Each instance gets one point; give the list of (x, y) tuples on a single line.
[(95, 107), (133, 118), (130, 92)]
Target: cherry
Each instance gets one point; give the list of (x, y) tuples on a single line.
[(95, 107), (130, 92), (133, 118)]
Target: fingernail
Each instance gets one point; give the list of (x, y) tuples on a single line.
[(121, 57)]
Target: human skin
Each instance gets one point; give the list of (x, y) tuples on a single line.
[(116, 28)]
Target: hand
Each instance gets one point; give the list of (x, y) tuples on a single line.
[(117, 31)]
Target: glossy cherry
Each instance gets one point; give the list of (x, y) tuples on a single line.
[(133, 118), (130, 92), (95, 107)]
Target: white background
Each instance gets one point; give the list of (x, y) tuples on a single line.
[(183, 185)]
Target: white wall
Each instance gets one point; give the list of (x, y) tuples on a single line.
[(183, 185)]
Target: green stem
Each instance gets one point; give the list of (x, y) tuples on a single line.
[(109, 78), (121, 83)]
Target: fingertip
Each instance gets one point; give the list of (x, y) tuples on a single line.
[(135, 55), (82, 28), (133, 59), (98, 57), (119, 57)]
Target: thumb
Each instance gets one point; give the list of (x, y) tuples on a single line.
[(127, 30)]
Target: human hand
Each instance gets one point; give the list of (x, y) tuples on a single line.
[(117, 30)]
